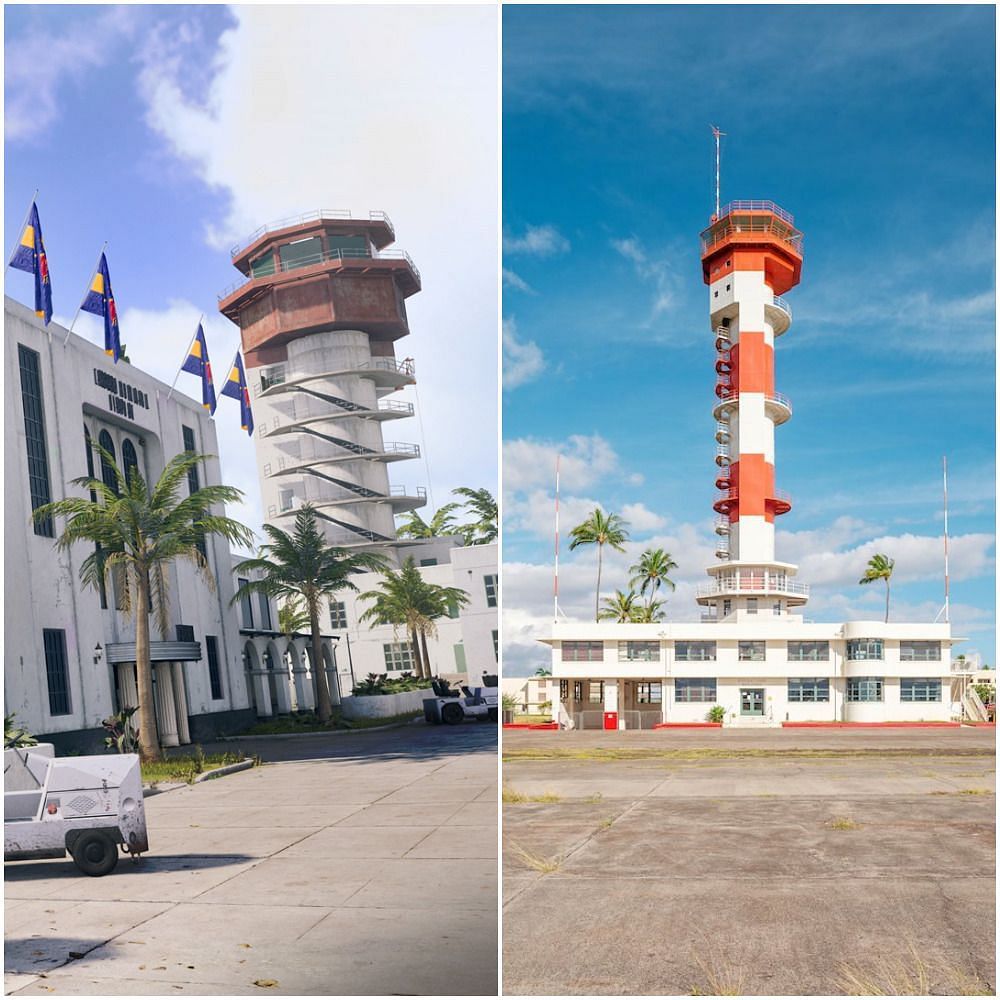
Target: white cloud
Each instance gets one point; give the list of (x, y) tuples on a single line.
[(522, 359), (280, 127), (511, 279), (641, 519), (656, 271), (536, 241), (38, 65), (583, 461)]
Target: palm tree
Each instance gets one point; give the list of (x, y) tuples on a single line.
[(620, 608), (646, 614), (482, 505), (880, 568), (651, 571), (292, 617), (543, 672), (406, 598), (138, 532), (600, 529), (300, 564), (442, 523)]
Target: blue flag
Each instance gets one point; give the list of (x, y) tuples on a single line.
[(236, 386), (100, 301), (197, 363), (30, 256)]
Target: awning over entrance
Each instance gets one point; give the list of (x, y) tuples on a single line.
[(159, 652)]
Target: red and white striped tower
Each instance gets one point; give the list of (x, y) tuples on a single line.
[(751, 255)]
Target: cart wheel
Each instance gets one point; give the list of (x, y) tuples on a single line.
[(95, 853), (452, 714)]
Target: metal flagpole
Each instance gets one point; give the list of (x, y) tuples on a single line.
[(179, 370), (555, 580), (947, 609), (76, 315), (20, 232)]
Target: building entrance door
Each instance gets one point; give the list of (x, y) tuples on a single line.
[(751, 701)]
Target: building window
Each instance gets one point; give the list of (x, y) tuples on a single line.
[(108, 476), (751, 605), (496, 645), (563, 690), (214, 674), (460, 663), (578, 691), (777, 608), (910, 650), (56, 670), (265, 611), (645, 652), (920, 689), (398, 656), (130, 460), (808, 651), (39, 488), (338, 615), (865, 649), (727, 607), (301, 253), (582, 652), (688, 652), (490, 583), (694, 689), (649, 693), (864, 688), (101, 586), (245, 605), (755, 651), (596, 692), (808, 689), (428, 562)]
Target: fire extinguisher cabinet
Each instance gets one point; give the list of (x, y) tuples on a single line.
[(611, 720)]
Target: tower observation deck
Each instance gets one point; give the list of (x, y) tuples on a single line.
[(751, 255), (320, 306)]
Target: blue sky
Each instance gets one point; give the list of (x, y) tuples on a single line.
[(875, 127), (174, 132)]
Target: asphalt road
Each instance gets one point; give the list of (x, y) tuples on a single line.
[(867, 868), (359, 864)]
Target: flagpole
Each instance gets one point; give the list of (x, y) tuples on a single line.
[(179, 370), (76, 315), (20, 232)]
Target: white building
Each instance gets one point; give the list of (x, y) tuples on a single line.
[(69, 652), (753, 654)]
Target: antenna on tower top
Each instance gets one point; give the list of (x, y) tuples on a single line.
[(718, 136)]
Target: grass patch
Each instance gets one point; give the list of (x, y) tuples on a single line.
[(510, 796), (910, 975), (963, 791), (722, 979), (606, 823), (728, 753), (187, 767), (536, 862), (844, 823)]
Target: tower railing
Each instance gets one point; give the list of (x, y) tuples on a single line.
[(342, 256), (724, 229), (321, 215), (756, 206), (272, 377)]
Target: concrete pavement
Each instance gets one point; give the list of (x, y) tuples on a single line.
[(358, 868), (763, 875)]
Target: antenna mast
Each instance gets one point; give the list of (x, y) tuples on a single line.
[(947, 618), (555, 579), (718, 136)]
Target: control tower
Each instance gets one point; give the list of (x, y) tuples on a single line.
[(751, 255), (320, 306)]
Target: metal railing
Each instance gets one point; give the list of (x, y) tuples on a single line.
[(745, 581), (333, 214), (401, 491), (391, 406), (756, 206), (752, 224), (400, 448), (281, 376), (404, 367), (323, 257), (780, 303), (722, 525), (730, 396)]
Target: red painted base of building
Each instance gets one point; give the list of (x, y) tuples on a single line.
[(531, 725), (871, 725), (688, 725)]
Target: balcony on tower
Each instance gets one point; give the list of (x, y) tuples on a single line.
[(748, 235)]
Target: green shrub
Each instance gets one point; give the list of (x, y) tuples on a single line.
[(15, 736), (124, 736), (375, 684), (716, 714)]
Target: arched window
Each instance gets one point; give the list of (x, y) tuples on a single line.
[(107, 471), (129, 460)]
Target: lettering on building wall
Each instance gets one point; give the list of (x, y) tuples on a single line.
[(122, 397)]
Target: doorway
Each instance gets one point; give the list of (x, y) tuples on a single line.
[(751, 701)]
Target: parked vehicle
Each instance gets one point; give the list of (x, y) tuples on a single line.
[(451, 707), (87, 806)]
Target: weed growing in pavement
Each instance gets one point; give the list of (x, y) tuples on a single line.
[(911, 974), (844, 823), (511, 797), (536, 862), (592, 799), (607, 822), (723, 978)]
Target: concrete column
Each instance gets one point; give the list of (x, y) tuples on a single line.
[(180, 698), (304, 694), (262, 693), (166, 709), (128, 691)]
